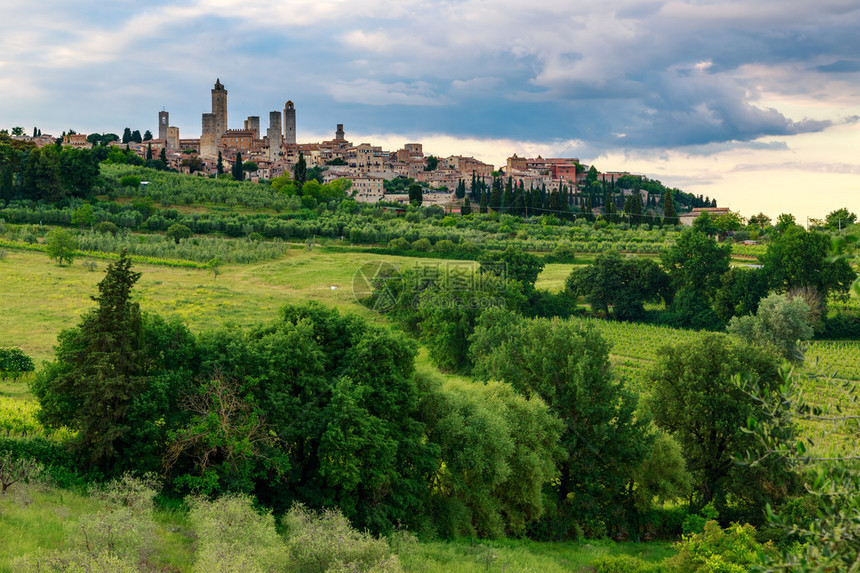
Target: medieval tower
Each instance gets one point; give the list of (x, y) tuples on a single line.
[(163, 124), (289, 123), (253, 124), (208, 141), (274, 134), (339, 134), (219, 108)]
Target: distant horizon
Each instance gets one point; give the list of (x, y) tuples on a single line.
[(754, 105)]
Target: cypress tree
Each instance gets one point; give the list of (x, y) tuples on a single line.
[(98, 371), (163, 156), (300, 171), (149, 152), (237, 171), (220, 165), (467, 207), (669, 215)]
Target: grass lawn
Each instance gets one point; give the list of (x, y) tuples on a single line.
[(40, 298)]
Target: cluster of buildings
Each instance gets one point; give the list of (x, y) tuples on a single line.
[(276, 151)]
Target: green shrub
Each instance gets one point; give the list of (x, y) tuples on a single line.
[(421, 245), (132, 181), (325, 541), (14, 361), (399, 244), (106, 227), (733, 550), (116, 539), (233, 536)]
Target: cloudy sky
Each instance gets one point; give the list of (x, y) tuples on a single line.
[(755, 103)]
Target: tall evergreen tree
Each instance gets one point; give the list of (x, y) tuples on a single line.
[(163, 155), (495, 202), (147, 135), (300, 171), (535, 203), (466, 209), (508, 196), (97, 374), (555, 203), (669, 216), (220, 165), (237, 171), (149, 152), (126, 135), (483, 205)]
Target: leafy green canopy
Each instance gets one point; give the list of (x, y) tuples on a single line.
[(697, 396), (566, 364), (624, 283), (340, 400)]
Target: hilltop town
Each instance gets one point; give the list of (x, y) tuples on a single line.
[(371, 169)]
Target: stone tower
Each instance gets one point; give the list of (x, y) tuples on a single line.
[(208, 141), (163, 124), (289, 123), (274, 134), (219, 108), (253, 124), (339, 133)]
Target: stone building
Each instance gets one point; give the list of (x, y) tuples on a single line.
[(274, 135), (289, 123)]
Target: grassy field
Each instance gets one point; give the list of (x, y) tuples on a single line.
[(41, 298), (36, 517)]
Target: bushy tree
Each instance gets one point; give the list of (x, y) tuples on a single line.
[(840, 218), (566, 364), (40, 177), (177, 232), (740, 291), (798, 258), (624, 283), (696, 263), (14, 361), (339, 399), (498, 452), (512, 264), (696, 395), (779, 324), (61, 246)]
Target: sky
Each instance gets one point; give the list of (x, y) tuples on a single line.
[(754, 103)]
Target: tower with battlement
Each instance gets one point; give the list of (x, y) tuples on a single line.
[(339, 134), (274, 135), (253, 124), (289, 123)]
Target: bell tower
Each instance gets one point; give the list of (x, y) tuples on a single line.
[(163, 124)]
